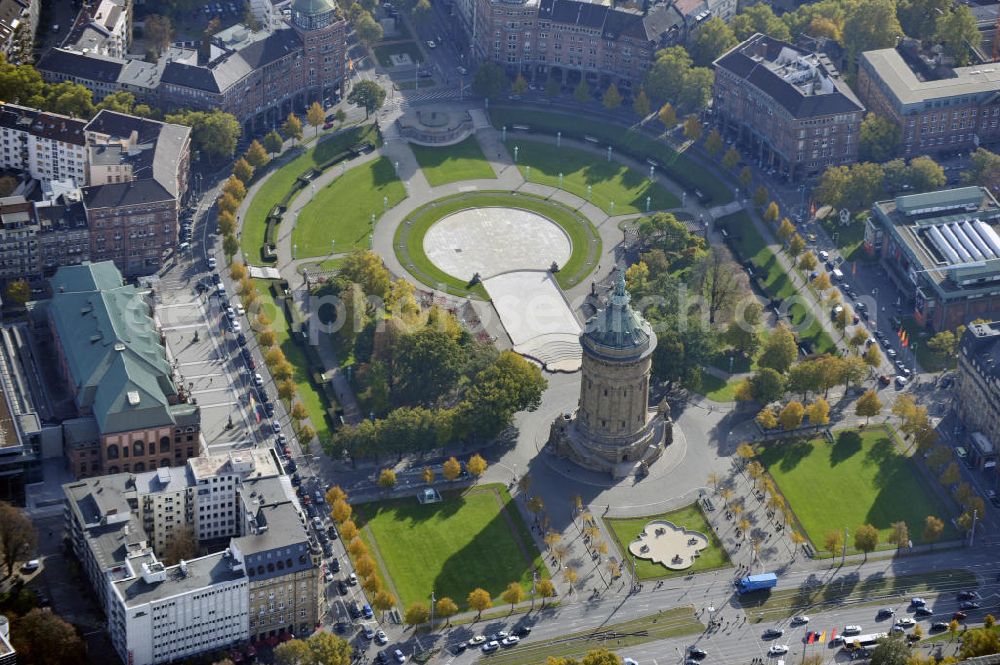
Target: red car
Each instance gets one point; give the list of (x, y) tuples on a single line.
[(328, 124)]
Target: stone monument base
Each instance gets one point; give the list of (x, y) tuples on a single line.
[(631, 458)]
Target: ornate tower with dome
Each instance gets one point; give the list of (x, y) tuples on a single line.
[(613, 429), (323, 30)]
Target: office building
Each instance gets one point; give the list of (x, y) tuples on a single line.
[(978, 390), (788, 108), (942, 250)]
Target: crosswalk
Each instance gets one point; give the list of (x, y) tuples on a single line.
[(400, 102)]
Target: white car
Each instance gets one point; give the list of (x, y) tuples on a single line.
[(906, 622), (492, 645), (211, 263), (824, 255), (239, 310), (30, 566), (381, 637), (800, 619), (328, 576), (777, 650), (851, 630), (237, 328), (510, 640), (477, 640), (431, 44)]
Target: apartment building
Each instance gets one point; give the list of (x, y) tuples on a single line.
[(18, 24), (938, 107), (132, 415), (942, 250), (787, 107), (259, 582), (105, 28), (48, 146), (978, 386), (101, 74)]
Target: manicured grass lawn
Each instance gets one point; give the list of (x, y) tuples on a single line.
[(849, 239), (462, 161), (384, 52), (716, 389), (342, 210), (452, 547), (281, 181), (311, 397), (740, 363), (682, 169), (409, 240), (748, 245), (690, 517), (609, 181), (859, 479)]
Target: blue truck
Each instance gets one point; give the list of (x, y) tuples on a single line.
[(756, 582)]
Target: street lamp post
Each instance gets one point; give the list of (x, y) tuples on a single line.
[(558, 139), (385, 202), (515, 154), (652, 170), (560, 180), (589, 188), (649, 202), (295, 247), (609, 153), (612, 209), (503, 133), (528, 173)]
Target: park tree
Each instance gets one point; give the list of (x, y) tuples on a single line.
[(508, 385), (746, 177), (956, 30), (833, 541), (944, 344), (120, 101), (490, 80), (872, 357), (365, 566), (17, 536), (780, 350), (348, 530), (273, 142), (292, 127), (357, 548), (791, 415), (785, 230), (951, 475), (852, 370), (341, 511), (772, 212), (731, 158), (43, 637), (69, 98), (891, 650), (869, 26), (451, 468), (445, 608), (292, 652), (581, 92), (667, 116), (536, 505), (328, 649), (766, 385), (868, 405), (476, 465), (545, 589), (158, 32), (714, 143), (745, 452), (925, 174), (213, 133), (416, 614), (235, 188), (387, 479), (900, 535), (714, 37), (612, 99), (367, 29), (299, 411), (641, 106), (819, 412), (879, 139), (759, 18), (368, 95), (918, 18), (979, 642), (519, 85), (720, 280), (18, 292), (479, 600), (243, 170), (692, 127), (796, 245), (513, 594), (383, 601), (372, 585), (256, 155), (743, 332), (428, 475), (316, 116), (335, 493), (866, 539)]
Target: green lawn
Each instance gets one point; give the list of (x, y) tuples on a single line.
[(716, 389), (280, 183), (384, 51), (679, 167), (311, 397), (452, 547), (849, 239), (860, 479), (609, 181), (747, 244), (409, 240), (690, 517), (342, 210), (462, 161)]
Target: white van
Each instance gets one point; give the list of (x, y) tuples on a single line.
[(184, 247), (837, 275)]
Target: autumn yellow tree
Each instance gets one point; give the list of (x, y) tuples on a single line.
[(513, 594), (476, 465), (445, 608), (451, 468), (341, 511), (479, 600)]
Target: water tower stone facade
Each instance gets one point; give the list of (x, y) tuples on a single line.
[(613, 429)]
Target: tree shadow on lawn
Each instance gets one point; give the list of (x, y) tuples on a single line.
[(845, 446), (383, 172), (481, 564), (786, 454)]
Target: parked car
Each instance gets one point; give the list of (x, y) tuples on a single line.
[(777, 650), (490, 646)]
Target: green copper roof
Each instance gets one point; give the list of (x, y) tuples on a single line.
[(112, 348), (313, 7), (618, 330)]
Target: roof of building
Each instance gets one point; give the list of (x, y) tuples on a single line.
[(981, 346), (901, 80), (313, 7), (60, 214), (103, 506), (275, 46), (118, 194), (187, 577), (805, 84), (42, 124), (87, 66), (278, 526), (112, 349), (618, 331)]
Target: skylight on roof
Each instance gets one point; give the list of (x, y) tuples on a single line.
[(133, 397)]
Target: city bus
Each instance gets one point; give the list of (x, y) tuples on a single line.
[(862, 641)]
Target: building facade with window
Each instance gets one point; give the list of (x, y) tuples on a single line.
[(978, 388), (787, 107), (936, 106), (46, 145)]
